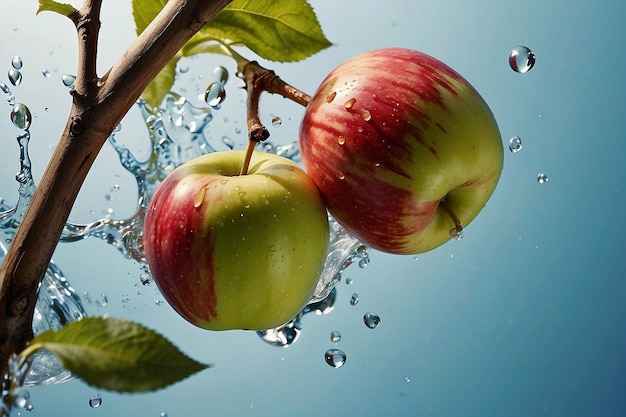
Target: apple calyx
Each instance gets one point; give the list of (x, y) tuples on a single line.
[(457, 231)]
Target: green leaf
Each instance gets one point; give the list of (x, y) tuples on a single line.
[(161, 84), (144, 11), (53, 6), (116, 355), (277, 30)]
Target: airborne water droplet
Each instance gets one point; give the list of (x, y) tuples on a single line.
[(277, 121), (371, 320), (521, 59), (220, 74), (226, 140), (15, 77), (95, 401), (335, 358), (17, 62), (68, 80), (542, 178), (515, 144), (354, 299), (20, 116), (335, 336), (215, 94), (46, 73)]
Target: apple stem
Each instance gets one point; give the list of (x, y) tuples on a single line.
[(248, 157), (258, 79), (457, 230)]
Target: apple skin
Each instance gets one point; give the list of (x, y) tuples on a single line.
[(387, 136), (236, 252)]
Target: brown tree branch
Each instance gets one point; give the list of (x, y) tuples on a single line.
[(98, 106)]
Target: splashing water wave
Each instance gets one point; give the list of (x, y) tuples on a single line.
[(177, 132)]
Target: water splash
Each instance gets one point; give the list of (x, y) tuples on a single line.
[(177, 131)]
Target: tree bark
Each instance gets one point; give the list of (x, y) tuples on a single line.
[(98, 106)]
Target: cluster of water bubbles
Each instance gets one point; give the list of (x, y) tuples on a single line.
[(522, 59)]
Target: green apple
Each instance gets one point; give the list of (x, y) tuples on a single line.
[(232, 251), (403, 149)]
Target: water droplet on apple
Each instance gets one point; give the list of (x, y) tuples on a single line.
[(371, 320), (95, 401), (366, 115), (341, 176), (15, 77), (276, 121), (542, 178), (335, 358), (348, 104), (331, 97), (224, 181), (354, 299), (521, 59), (199, 197), (68, 80), (341, 140), (21, 117), (283, 336), (17, 62), (335, 336), (515, 144)]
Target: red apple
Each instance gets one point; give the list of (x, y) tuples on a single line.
[(403, 149), (232, 251)]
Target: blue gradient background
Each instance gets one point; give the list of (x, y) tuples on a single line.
[(523, 317)]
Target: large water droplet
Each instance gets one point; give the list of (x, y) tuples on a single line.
[(17, 62), (95, 401), (542, 178), (521, 59), (335, 358), (68, 80), (515, 144), (349, 103), (366, 115), (21, 117), (371, 320), (15, 76), (215, 94), (220, 74)]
